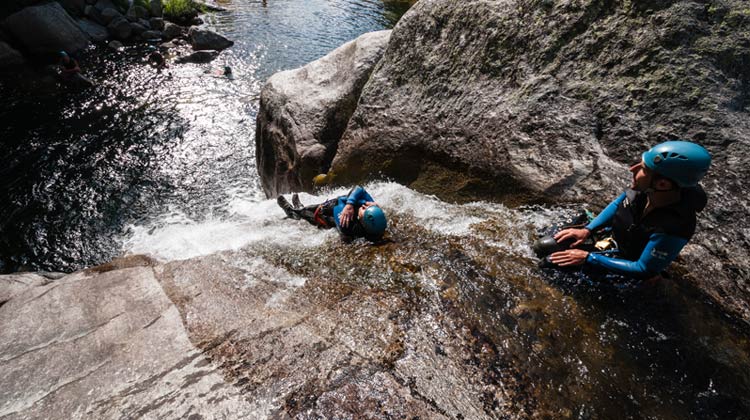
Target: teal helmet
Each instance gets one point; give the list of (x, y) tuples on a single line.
[(374, 222), (681, 161)]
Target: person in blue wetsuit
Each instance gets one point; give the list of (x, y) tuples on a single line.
[(355, 215), (651, 221)]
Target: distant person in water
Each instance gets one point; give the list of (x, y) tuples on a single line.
[(355, 215), (156, 60), (68, 66), (70, 72), (650, 222)]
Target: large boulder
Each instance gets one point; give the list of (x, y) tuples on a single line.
[(45, 29), (172, 30), (94, 30), (202, 39), (303, 113), (9, 57), (523, 101), (120, 28)]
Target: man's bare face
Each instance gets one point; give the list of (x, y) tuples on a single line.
[(641, 177)]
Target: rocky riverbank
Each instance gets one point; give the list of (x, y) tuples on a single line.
[(35, 32), (525, 102)]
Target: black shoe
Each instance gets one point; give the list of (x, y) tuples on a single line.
[(290, 213), (295, 201)]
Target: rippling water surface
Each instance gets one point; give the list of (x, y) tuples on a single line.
[(141, 144)]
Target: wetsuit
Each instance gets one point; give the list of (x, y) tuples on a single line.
[(326, 214), (646, 244)]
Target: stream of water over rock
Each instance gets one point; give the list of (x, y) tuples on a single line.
[(163, 164)]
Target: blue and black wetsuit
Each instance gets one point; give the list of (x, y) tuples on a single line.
[(647, 244), (326, 214)]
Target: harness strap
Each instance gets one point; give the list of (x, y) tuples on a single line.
[(319, 219)]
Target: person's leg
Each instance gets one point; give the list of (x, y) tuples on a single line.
[(295, 201), (308, 213), (288, 209)]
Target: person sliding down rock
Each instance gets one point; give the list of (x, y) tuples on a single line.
[(650, 222), (355, 215)]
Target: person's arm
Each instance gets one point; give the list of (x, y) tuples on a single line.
[(576, 236), (605, 217), (357, 196), (659, 252)]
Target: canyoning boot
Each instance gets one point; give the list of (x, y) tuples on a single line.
[(288, 209), (295, 201)]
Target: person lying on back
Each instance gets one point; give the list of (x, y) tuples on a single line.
[(354, 215)]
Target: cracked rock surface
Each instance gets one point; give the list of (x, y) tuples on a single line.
[(110, 345)]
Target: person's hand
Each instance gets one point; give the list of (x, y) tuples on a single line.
[(569, 257), (346, 215), (579, 235)]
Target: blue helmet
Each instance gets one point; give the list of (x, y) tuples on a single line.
[(681, 161), (374, 222)]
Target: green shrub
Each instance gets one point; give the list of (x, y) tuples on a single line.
[(177, 8)]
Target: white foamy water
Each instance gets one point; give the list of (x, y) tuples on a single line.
[(248, 220)]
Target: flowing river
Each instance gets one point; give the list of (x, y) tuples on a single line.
[(163, 164)]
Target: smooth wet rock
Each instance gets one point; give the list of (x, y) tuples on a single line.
[(111, 345), (120, 28), (205, 56), (202, 39), (520, 101), (9, 56), (45, 29), (15, 284), (95, 31), (172, 30), (303, 113)]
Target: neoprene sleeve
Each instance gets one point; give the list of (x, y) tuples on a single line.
[(358, 197), (659, 252), (605, 217)]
